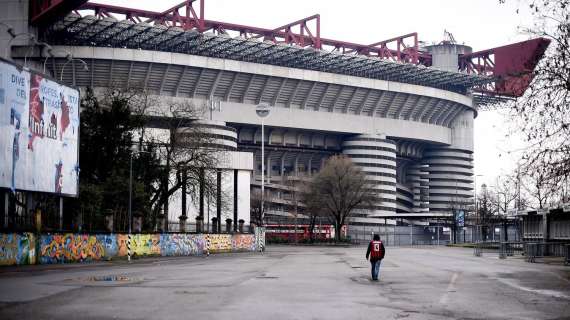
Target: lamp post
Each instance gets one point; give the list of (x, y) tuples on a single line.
[(475, 193), (70, 59), (131, 200), (262, 111)]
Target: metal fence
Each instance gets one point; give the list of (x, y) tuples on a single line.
[(399, 235), (536, 250)]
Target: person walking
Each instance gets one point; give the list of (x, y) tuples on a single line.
[(376, 252)]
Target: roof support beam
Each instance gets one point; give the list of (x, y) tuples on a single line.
[(179, 82), (276, 97), (308, 95), (363, 103), (294, 93), (247, 87), (164, 78), (195, 89)]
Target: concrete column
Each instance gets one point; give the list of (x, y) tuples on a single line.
[(376, 156)]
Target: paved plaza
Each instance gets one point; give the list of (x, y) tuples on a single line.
[(292, 283)]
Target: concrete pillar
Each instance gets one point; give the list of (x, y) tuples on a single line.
[(376, 155)]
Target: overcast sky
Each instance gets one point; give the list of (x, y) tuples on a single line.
[(481, 24)]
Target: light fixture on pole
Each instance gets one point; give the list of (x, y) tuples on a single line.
[(262, 111), (70, 58), (131, 200), (30, 36)]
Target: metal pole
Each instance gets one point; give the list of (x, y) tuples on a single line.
[(130, 201), (60, 213), (262, 172), (6, 207), (437, 228)]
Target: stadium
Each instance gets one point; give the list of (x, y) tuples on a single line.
[(402, 112)]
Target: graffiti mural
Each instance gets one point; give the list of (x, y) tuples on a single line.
[(219, 242), (16, 249), (181, 244), (243, 242), (70, 247), (141, 244)]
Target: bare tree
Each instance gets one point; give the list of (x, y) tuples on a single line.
[(339, 188), (543, 113), (506, 193), (187, 154)]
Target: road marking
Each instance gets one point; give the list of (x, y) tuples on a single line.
[(450, 288), (544, 292)]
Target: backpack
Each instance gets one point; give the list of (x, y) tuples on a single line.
[(376, 250)]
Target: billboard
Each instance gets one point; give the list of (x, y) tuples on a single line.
[(460, 218), (39, 132)]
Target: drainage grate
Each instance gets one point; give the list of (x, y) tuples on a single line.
[(109, 279)]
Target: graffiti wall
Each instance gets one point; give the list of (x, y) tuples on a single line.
[(243, 242), (20, 248), (219, 242), (17, 248), (141, 244), (181, 244), (71, 247)]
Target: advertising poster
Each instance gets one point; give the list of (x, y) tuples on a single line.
[(39, 133)]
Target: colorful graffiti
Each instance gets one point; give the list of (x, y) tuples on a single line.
[(219, 242), (17, 248), (243, 242), (180, 244), (70, 247), (141, 244)]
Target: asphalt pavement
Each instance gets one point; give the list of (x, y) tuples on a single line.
[(292, 283)]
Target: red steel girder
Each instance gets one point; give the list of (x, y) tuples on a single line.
[(43, 12), (512, 65), (298, 32)]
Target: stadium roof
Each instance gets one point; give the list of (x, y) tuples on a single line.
[(89, 30)]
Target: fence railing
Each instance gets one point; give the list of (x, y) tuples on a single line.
[(531, 250), (536, 250)]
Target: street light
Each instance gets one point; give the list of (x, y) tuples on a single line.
[(70, 58), (262, 111), (131, 199), (30, 36), (475, 191)]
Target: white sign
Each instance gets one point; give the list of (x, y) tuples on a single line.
[(39, 133), (566, 207)]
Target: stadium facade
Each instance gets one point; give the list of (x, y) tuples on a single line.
[(404, 115)]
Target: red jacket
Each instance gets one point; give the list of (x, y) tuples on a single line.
[(382, 251)]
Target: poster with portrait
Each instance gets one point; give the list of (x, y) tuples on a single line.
[(39, 132)]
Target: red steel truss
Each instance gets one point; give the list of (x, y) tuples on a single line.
[(510, 65), (46, 11)]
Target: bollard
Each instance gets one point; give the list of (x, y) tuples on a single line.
[(502, 250), (129, 247)]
